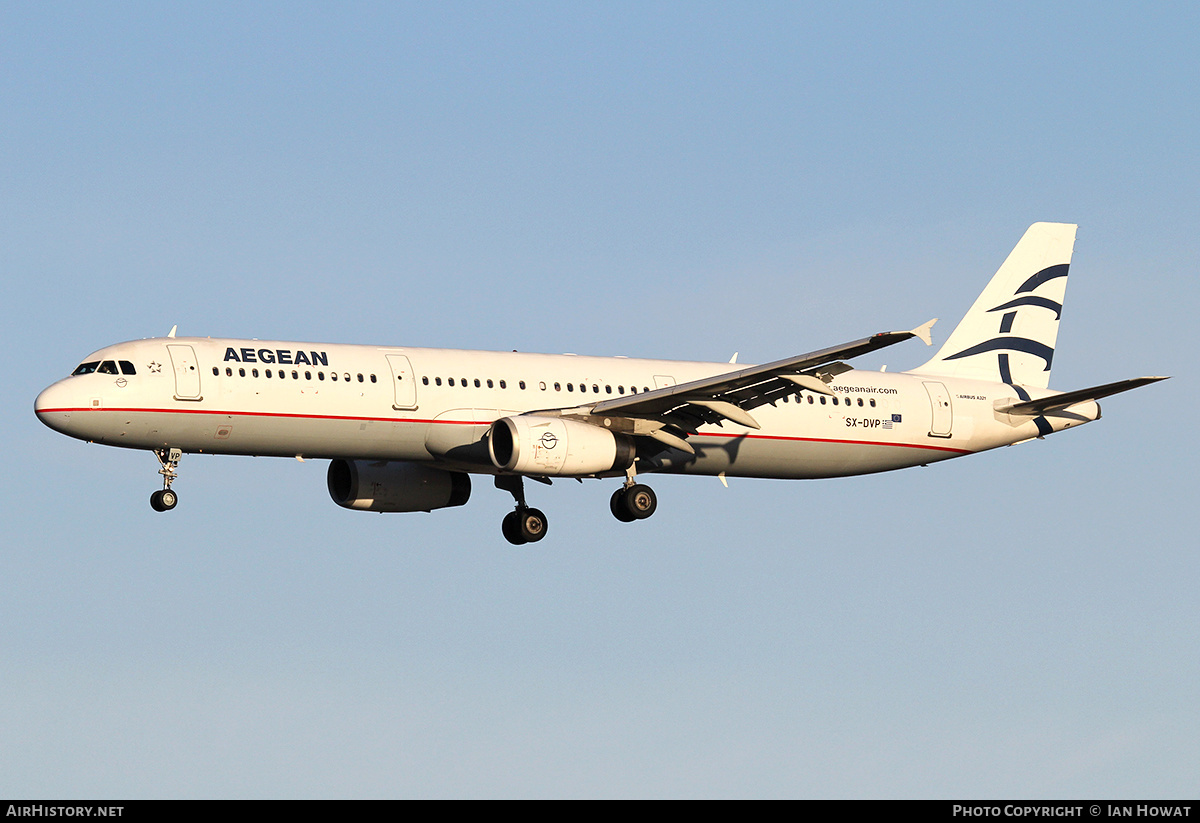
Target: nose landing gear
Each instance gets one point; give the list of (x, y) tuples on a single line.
[(164, 499)]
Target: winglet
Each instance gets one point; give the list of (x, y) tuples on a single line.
[(922, 332)]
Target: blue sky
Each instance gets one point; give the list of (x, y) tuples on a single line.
[(649, 179)]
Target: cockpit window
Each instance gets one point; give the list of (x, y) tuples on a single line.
[(108, 367), (126, 367), (86, 368)]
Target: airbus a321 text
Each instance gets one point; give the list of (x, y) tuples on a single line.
[(406, 427)]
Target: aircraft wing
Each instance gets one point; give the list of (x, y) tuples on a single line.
[(732, 395)]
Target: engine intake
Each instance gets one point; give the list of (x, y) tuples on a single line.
[(386, 486)]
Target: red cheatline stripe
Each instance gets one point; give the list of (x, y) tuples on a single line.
[(834, 440), (488, 422)]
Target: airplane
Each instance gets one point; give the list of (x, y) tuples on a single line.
[(405, 428)]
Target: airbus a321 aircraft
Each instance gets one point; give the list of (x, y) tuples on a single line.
[(405, 427)]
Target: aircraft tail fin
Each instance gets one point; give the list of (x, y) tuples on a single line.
[(1009, 334)]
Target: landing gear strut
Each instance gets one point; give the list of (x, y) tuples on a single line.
[(523, 524), (633, 501), (164, 499)]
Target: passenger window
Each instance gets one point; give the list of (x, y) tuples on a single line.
[(254, 372), (476, 382), (216, 372), (86, 368), (320, 375), (333, 376), (608, 389), (489, 383), (346, 376), (450, 381), (437, 381), (107, 367), (810, 400), (295, 374), (308, 375), (620, 389), (424, 380), (872, 402), (860, 402), (571, 387), (360, 379), (268, 373), (241, 372), (126, 367), (557, 387), (822, 400), (228, 371), (595, 389), (373, 378)]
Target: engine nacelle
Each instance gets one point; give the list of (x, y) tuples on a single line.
[(386, 486), (529, 444)]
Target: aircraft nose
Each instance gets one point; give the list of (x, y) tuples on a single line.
[(54, 405)]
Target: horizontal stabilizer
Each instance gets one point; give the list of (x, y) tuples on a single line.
[(1062, 401)]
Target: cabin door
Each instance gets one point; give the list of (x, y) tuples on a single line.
[(187, 371), (404, 383), (943, 413)]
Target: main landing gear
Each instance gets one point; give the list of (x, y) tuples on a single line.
[(523, 525), (164, 499), (633, 501)]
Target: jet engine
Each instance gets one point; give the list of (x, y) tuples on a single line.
[(388, 486), (530, 444)]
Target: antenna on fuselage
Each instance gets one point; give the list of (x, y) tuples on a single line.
[(171, 333)]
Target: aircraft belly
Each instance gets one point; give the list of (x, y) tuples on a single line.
[(794, 458), (281, 436)]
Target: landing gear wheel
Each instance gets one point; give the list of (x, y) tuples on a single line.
[(640, 501), (163, 500), (511, 528), (616, 504), (532, 524)]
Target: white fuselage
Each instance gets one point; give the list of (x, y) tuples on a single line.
[(316, 400)]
